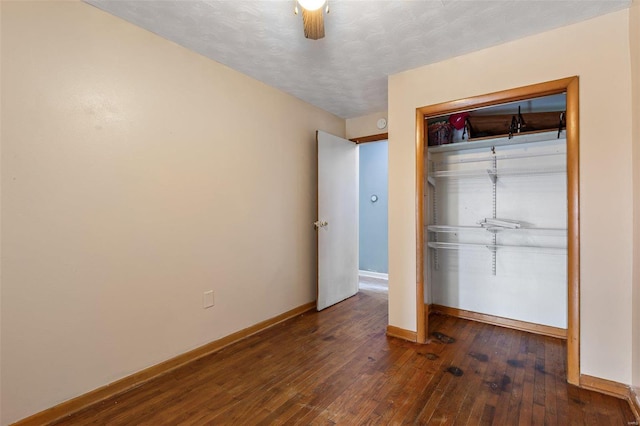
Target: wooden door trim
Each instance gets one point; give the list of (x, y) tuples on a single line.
[(372, 138), (422, 323), (573, 232), (317, 218), (511, 95), (569, 85)]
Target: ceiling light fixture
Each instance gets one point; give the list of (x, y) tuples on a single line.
[(312, 5), (312, 17)]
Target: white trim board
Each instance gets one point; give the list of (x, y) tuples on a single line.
[(371, 274)]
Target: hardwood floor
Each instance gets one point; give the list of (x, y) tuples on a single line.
[(338, 367)]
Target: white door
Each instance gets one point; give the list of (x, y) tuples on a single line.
[(337, 222)]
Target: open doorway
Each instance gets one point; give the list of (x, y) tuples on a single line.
[(373, 216)]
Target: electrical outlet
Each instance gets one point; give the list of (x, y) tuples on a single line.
[(207, 300)]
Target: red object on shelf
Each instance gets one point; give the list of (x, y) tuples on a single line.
[(458, 120)]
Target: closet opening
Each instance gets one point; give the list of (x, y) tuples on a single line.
[(498, 211)]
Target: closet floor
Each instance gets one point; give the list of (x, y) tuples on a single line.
[(338, 367)]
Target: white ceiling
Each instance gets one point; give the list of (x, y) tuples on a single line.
[(346, 72)]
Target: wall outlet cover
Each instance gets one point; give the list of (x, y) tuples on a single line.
[(207, 300)]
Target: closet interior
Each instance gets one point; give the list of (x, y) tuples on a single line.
[(495, 212)]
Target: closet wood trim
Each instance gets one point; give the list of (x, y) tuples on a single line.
[(570, 85), (573, 232), (545, 330), (512, 95), (422, 323)]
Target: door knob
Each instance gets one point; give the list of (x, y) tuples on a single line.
[(320, 224)]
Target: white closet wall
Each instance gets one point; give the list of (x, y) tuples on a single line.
[(521, 273)]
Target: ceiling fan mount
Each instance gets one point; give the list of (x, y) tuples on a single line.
[(313, 17)]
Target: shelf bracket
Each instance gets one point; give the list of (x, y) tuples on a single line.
[(493, 255), (494, 201), (436, 262), (493, 175)]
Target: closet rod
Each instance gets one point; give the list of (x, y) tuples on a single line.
[(495, 247)]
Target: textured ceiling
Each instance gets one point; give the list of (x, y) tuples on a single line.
[(346, 72)]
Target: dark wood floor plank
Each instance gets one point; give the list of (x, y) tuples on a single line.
[(538, 415), (539, 374), (338, 367), (518, 362), (395, 390), (509, 386), (550, 396), (484, 394), (497, 386), (477, 371), (443, 407), (528, 356), (422, 384), (575, 413), (556, 369)]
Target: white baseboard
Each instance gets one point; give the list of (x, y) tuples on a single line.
[(371, 274)]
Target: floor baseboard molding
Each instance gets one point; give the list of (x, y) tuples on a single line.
[(634, 401), (401, 333), (136, 379), (371, 274), (611, 388), (545, 330), (605, 386)]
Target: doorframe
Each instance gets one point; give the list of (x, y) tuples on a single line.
[(569, 85), (373, 138), (380, 137)]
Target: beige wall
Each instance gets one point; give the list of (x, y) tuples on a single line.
[(634, 39), (365, 125), (598, 52), (137, 175), (0, 223)]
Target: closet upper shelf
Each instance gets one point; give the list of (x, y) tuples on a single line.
[(499, 141)]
